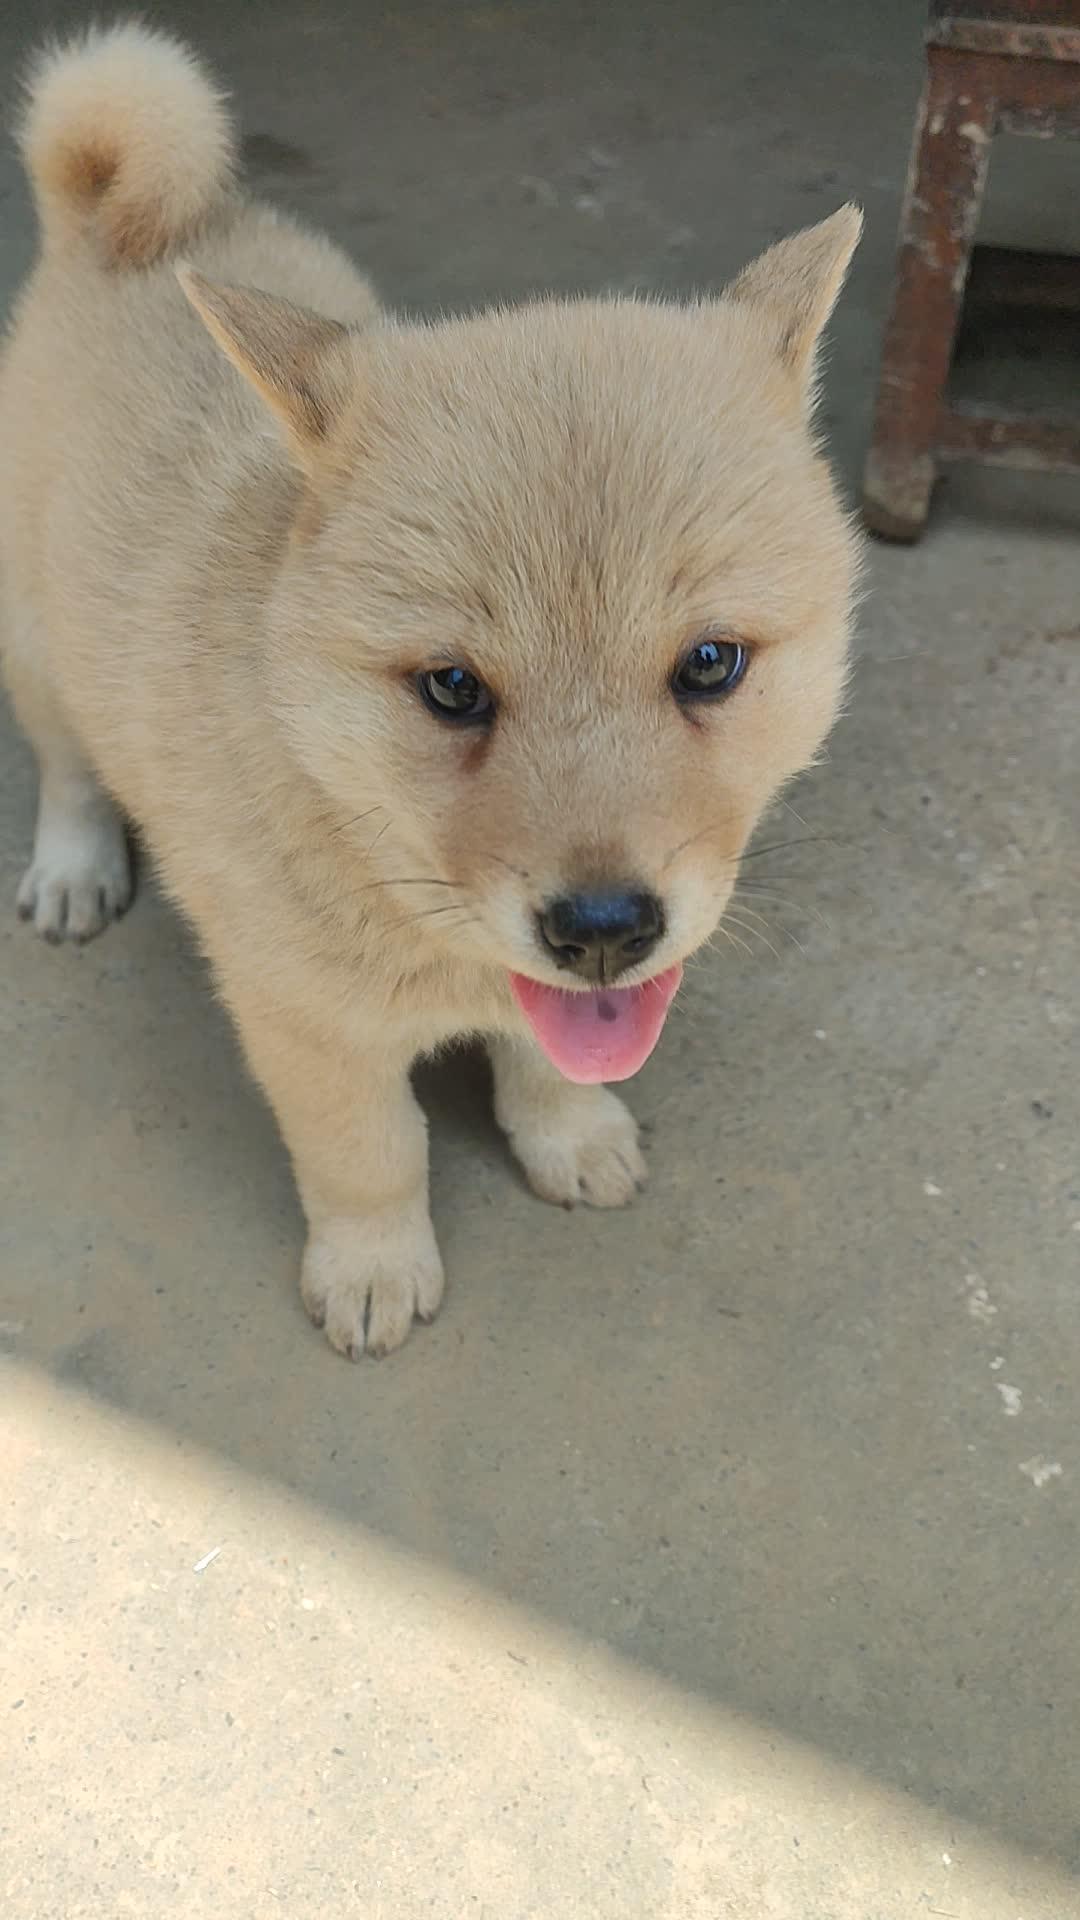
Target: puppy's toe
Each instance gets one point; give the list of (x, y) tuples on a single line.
[(366, 1286), (588, 1152)]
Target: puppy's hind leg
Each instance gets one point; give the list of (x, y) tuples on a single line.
[(80, 875)]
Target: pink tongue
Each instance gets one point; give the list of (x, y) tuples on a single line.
[(606, 1034)]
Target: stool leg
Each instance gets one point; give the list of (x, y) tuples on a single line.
[(949, 159)]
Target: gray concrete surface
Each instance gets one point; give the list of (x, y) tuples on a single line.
[(719, 1559)]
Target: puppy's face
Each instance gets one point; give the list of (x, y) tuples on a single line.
[(566, 605)]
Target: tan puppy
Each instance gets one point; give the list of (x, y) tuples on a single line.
[(446, 668)]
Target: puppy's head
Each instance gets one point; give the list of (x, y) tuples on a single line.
[(565, 605)]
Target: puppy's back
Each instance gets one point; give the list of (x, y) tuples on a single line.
[(115, 407), (140, 480)]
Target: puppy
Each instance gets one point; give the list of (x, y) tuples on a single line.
[(445, 668)]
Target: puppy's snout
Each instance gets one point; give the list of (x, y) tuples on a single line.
[(601, 934)]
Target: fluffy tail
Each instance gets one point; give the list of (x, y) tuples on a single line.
[(125, 136)]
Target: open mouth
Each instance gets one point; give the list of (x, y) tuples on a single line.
[(603, 1033)]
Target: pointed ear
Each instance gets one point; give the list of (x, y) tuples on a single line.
[(795, 285), (295, 360)]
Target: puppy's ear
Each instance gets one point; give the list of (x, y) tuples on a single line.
[(297, 362), (794, 287)]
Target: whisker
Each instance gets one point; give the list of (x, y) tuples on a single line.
[(788, 808), (694, 963), (736, 860), (733, 940), (429, 913), (500, 862), (755, 932), (777, 925), (383, 829), (782, 846), (355, 821), (891, 659), (691, 841), (407, 880), (749, 914), (778, 899)]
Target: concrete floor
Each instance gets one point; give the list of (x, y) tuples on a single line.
[(719, 1559)]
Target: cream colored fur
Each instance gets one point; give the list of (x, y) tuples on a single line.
[(234, 526)]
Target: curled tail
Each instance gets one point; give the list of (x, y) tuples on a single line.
[(126, 137)]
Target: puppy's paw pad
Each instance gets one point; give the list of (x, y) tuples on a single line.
[(592, 1157), (76, 886), (365, 1290)]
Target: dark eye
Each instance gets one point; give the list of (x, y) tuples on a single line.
[(710, 668), (453, 693)]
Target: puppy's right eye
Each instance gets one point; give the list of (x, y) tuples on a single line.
[(453, 693), (710, 668)]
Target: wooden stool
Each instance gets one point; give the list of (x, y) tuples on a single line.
[(1010, 66)]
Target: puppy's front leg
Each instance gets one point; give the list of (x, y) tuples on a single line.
[(575, 1143), (359, 1147)]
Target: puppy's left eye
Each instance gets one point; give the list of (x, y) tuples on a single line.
[(712, 667), (453, 693)]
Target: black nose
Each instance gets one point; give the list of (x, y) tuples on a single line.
[(599, 935)]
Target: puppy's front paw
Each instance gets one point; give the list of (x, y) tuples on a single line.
[(585, 1150), (365, 1283), (79, 880)]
